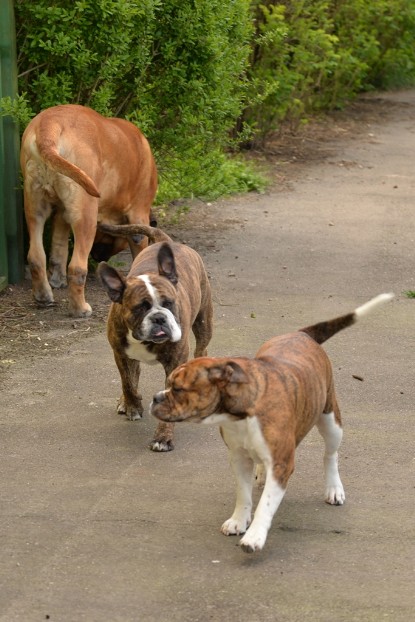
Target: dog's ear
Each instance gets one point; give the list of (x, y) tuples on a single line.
[(166, 263), (229, 372), (112, 280)]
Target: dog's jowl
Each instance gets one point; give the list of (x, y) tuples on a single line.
[(165, 296), (265, 406), (81, 168)]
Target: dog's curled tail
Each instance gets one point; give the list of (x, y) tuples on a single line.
[(47, 147), (132, 231), (324, 330)]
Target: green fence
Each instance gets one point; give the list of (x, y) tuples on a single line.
[(11, 213)]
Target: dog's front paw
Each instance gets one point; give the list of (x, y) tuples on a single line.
[(163, 437), (161, 445), (253, 540), (132, 412), (335, 495), (235, 526)]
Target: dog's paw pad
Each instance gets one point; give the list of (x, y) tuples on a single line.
[(161, 446)]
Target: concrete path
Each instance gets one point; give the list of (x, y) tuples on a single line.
[(96, 527)]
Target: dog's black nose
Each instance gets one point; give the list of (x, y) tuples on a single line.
[(158, 397), (159, 318)]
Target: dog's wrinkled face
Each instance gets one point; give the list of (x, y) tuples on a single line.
[(203, 387), (150, 309), (148, 301)]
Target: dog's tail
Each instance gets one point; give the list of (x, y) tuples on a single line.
[(324, 330), (47, 147), (132, 231)]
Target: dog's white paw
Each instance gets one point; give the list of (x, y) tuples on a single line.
[(161, 446), (121, 410), (235, 526), (133, 414), (335, 495), (253, 540)]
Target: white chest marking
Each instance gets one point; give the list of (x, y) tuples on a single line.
[(245, 434), (215, 419), (138, 351)]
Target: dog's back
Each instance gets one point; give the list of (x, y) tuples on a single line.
[(94, 151)]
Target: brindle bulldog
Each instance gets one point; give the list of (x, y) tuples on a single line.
[(265, 406), (165, 295)]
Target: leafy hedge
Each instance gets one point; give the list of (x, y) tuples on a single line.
[(313, 55), (173, 67), (200, 76)]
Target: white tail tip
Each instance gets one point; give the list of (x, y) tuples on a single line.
[(372, 304)]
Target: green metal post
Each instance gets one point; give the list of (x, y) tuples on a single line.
[(3, 245), (10, 191)]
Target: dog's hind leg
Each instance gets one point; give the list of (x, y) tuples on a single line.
[(37, 211), (58, 256), (242, 466), (329, 426), (202, 330), (83, 216)]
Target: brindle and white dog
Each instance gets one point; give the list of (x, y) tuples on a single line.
[(265, 406), (165, 295)]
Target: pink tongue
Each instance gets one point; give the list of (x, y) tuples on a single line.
[(161, 332)]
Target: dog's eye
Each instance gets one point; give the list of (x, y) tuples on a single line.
[(167, 304), (142, 307), (177, 389)]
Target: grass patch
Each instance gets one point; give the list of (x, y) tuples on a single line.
[(409, 293), (207, 178)]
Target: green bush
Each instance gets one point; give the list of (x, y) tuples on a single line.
[(173, 67), (395, 26), (201, 77), (314, 55)]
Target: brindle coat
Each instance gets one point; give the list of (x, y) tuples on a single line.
[(265, 406), (177, 276)]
